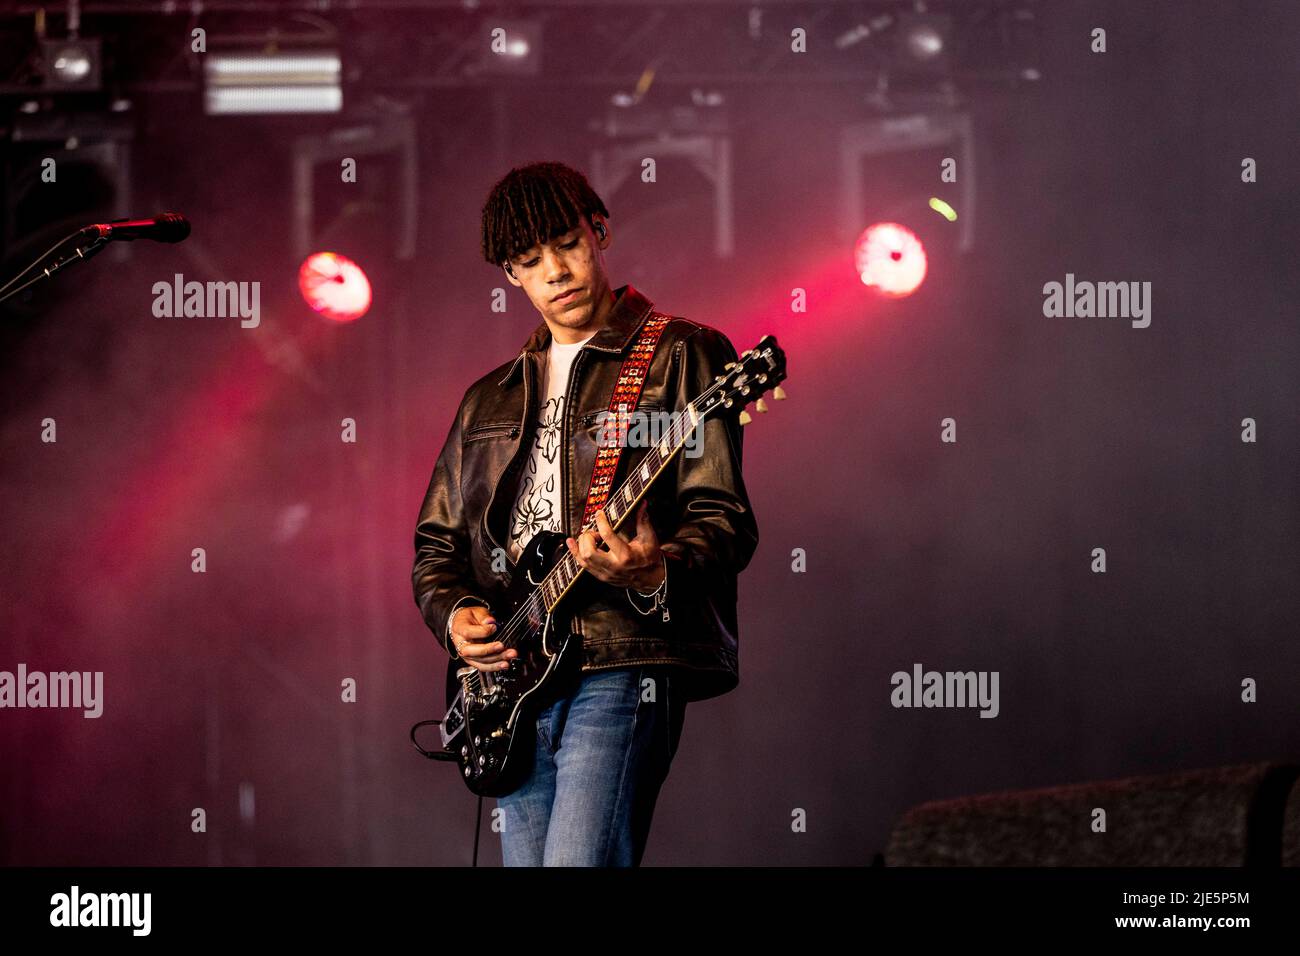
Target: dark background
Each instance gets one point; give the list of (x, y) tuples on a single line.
[(1073, 433)]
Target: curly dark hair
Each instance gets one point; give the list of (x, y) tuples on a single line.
[(534, 204)]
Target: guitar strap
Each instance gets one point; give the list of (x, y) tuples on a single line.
[(627, 390)]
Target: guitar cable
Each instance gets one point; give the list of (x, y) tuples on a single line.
[(448, 755)]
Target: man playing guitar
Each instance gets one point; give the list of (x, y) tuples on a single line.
[(657, 625)]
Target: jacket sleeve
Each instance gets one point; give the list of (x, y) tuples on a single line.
[(717, 534), (441, 577)]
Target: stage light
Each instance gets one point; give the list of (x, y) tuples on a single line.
[(890, 259), (511, 48), (943, 209), (924, 42), (334, 286), (254, 82), (72, 65)]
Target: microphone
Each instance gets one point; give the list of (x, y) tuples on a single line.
[(168, 227)]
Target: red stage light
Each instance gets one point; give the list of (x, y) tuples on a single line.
[(334, 286), (890, 259)]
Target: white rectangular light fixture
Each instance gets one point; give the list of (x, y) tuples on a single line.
[(248, 82)]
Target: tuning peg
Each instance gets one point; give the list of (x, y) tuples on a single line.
[(730, 365), (761, 405), (745, 417), (778, 393)]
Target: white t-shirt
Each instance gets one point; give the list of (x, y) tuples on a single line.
[(537, 504)]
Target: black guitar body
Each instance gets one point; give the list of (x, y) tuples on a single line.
[(491, 718)]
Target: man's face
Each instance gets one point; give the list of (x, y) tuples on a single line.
[(571, 261)]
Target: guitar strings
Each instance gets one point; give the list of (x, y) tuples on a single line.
[(520, 618), (515, 626)]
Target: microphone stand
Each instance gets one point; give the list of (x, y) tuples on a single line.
[(83, 251)]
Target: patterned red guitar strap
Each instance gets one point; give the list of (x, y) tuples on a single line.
[(631, 379)]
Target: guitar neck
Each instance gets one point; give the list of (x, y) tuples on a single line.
[(621, 503), (750, 376)]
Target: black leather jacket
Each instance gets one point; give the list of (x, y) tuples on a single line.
[(698, 506)]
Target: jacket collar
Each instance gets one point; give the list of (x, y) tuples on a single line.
[(630, 310)]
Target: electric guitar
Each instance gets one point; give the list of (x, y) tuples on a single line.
[(490, 724)]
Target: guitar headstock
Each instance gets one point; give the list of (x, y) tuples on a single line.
[(754, 373)]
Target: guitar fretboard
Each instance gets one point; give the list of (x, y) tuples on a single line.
[(620, 504)]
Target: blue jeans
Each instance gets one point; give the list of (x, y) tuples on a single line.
[(603, 752)]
